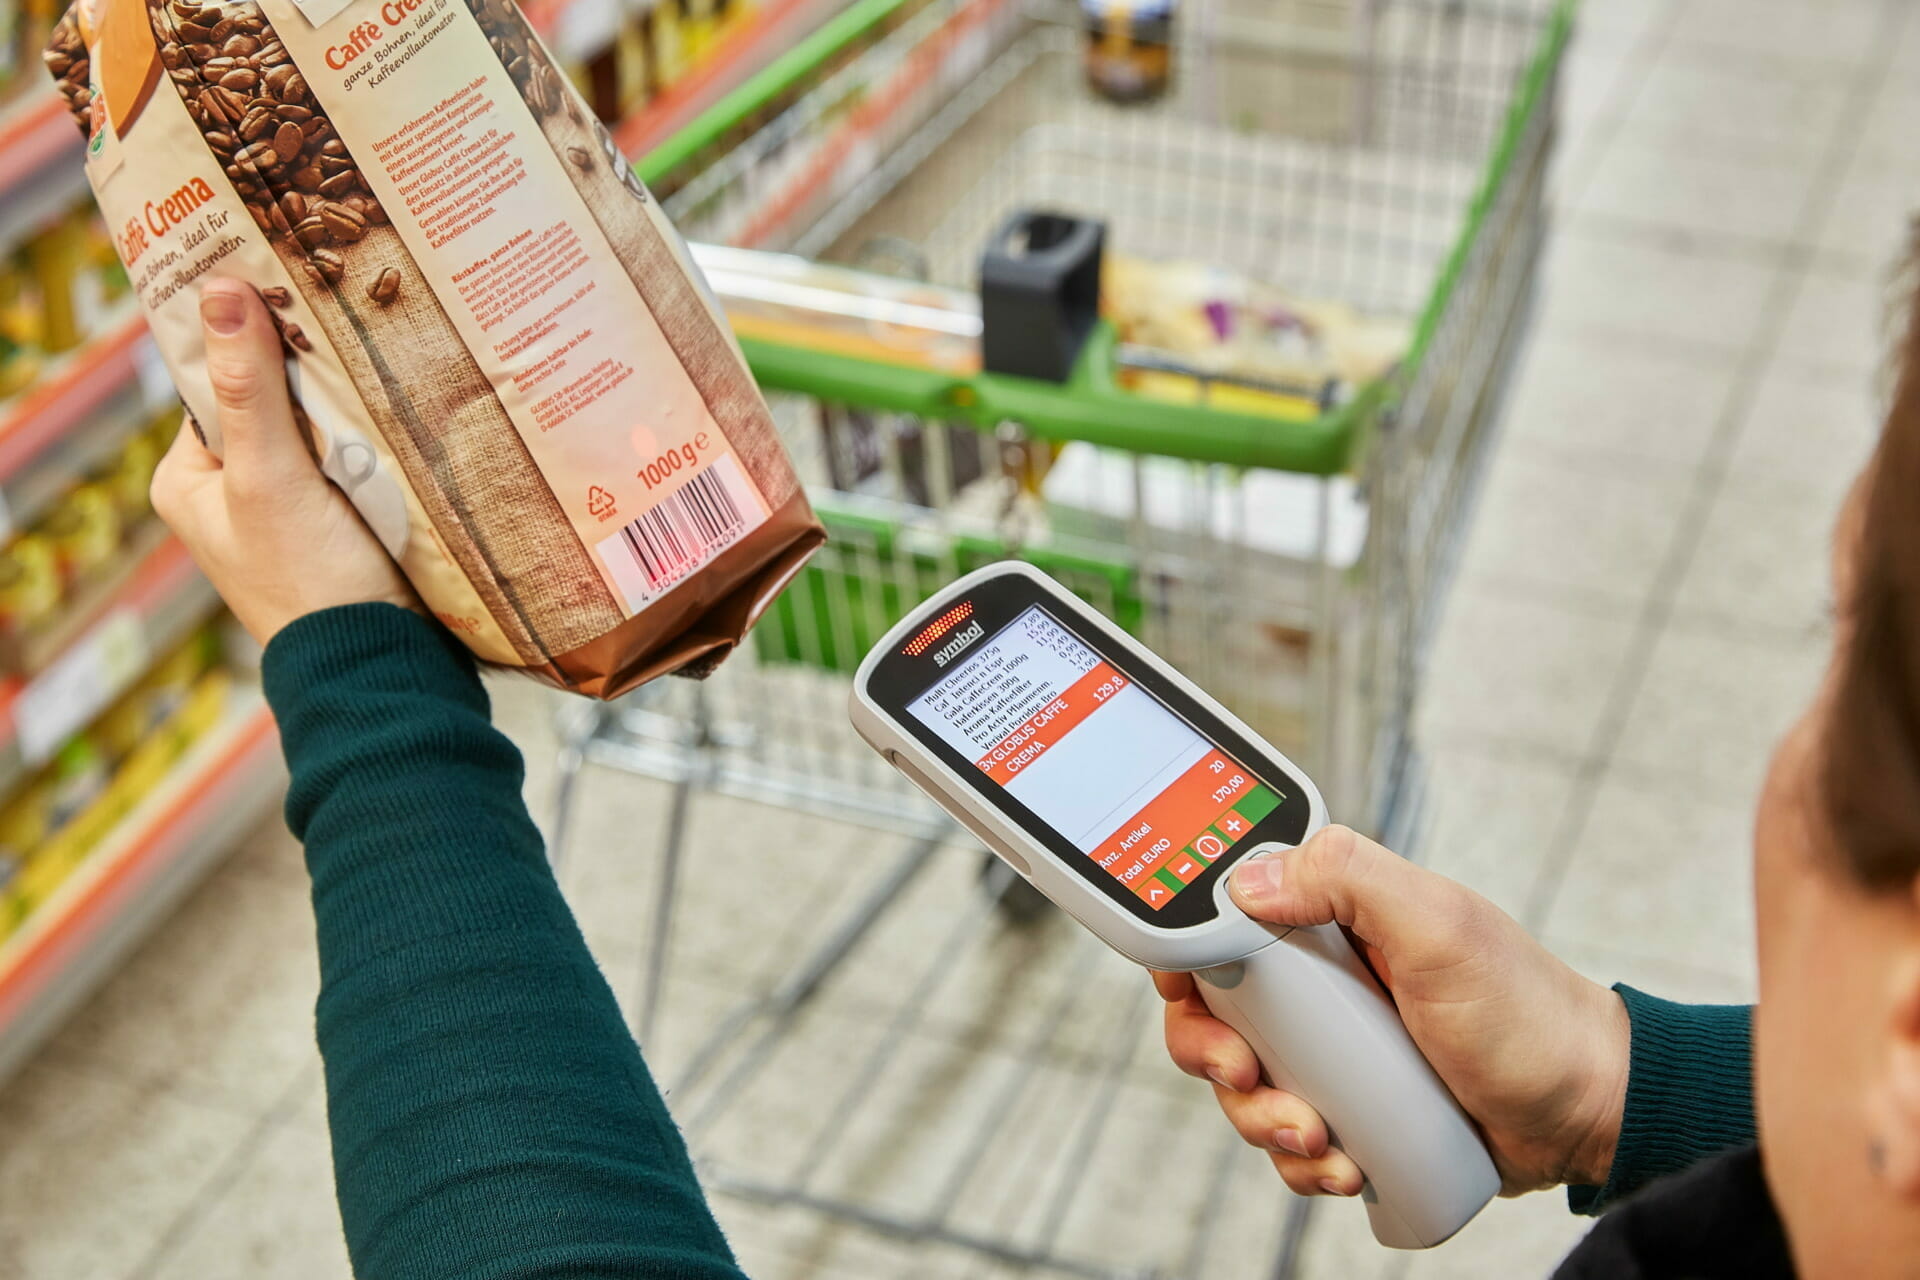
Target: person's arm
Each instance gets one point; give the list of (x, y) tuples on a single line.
[(491, 1116), (1689, 1093)]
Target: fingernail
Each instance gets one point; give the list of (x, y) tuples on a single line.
[(223, 311), (1332, 1187), (1258, 877), (1290, 1141), (1219, 1077)]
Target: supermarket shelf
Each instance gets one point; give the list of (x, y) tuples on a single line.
[(773, 29), (142, 614), (218, 792), (69, 392), (40, 170)]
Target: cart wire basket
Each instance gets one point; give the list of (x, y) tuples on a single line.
[(1356, 183)]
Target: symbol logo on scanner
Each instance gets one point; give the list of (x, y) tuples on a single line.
[(951, 649)]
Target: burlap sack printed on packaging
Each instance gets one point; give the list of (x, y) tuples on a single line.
[(395, 284)]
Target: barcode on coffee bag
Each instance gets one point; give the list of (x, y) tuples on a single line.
[(702, 518)]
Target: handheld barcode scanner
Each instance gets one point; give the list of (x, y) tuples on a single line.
[(1125, 794)]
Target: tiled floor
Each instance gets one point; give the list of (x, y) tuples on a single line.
[(1640, 611)]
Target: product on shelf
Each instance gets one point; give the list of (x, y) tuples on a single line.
[(129, 477), (471, 283), (59, 287), (84, 531), (30, 586), (52, 821), (84, 534), (621, 54), (24, 25), (1129, 47), (22, 325)]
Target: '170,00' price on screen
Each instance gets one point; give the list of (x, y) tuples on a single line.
[(1231, 787)]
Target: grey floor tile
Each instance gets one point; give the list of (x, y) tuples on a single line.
[(1840, 325), (1675, 185), (218, 1005), (276, 1216), (1763, 562), (1636, 409), (1339, 1246), (1516, 670), (1870, 212), (94, 1170), (1625, 17), (1525, 1237), (1838, 34), (1809, 436), (1895, 114), (1665, 865), (1494, 819), (1760, 109), (1555, 531), (1651, 294), (1595, 82), (1713, 702)]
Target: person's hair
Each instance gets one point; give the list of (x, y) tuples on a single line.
[(1872, 758)]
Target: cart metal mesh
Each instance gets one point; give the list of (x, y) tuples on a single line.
[(1388, 157)]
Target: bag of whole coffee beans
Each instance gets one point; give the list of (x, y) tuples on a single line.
[(500, 347)]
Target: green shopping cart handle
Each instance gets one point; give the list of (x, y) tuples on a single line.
[(1089, 406)]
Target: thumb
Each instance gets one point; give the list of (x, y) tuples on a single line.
[(262, 448), (1340, 876)]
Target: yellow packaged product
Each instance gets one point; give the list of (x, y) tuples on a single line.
[(20, 325), (58, 258), (84, 532), (124, 725), (27, 819), (30, 588), (130, 478), (25, 822)]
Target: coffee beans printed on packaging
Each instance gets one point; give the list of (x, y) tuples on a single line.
[(539, 84), (261, 120), (67, 59)]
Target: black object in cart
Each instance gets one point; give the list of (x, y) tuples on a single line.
[(1039, 293)]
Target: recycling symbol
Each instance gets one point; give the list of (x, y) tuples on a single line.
[(599, 502)]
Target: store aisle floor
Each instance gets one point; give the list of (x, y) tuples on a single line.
[(1641, 609)]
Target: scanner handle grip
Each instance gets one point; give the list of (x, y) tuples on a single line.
[(1324, 1029)]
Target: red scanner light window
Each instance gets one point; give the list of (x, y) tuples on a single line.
[(939, 627)]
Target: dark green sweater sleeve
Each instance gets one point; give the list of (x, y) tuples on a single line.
[(1689, 1092), (490, 1113)]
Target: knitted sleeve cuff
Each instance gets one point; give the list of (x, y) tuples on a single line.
[(366, 644), (1689, 1093)]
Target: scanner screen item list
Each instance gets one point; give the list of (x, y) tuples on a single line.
[(1119, 776)]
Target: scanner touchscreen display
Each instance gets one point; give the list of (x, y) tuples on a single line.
[(1095, 756)]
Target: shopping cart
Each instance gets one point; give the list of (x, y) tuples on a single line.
[(1285, 540)]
